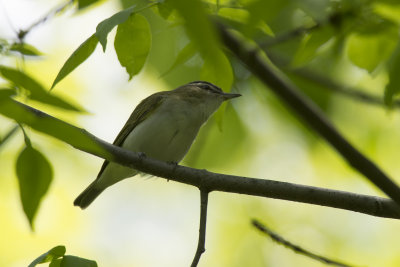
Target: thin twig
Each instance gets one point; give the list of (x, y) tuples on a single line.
[(333, 86), (334, 20), (84, 141), (307, 110), (296, 248), (328, 84), (288, 36), (202, 228), (8, 135), (22, 33)]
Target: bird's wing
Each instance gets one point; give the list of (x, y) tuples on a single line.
[(141, 112)]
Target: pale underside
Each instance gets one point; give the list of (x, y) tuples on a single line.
[(166, 136)]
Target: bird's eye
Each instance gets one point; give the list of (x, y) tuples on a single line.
[(205, 86), (208, 88)]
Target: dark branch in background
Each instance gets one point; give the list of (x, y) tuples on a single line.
[(333, 20), (40, 121), (307, 110), (342, 89), (202, 228), (329, 84), (288, 36), (280, 240)]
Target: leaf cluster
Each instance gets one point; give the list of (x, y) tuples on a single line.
[(57, 258)]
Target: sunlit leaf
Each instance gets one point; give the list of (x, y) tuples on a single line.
[(393, 87), (36, 90), (241, 15), (85, 3), (25, 49), (73, 261), (367, 51), (79, 56), (197, 25), (184, 55), (50, 255), (388, 11), (132, 43), (104, 27), (34, 174)]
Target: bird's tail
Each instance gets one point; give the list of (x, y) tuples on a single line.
[(88, 195)]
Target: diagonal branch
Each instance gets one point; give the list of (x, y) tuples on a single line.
[(327, 83), (22, 33), (8, 135), (202, 229), (84, 141), (308, 111), (296, 248)]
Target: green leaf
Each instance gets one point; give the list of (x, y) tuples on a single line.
[(104, 27), (184, 55), (34, 174), (25, 49), (7, 92), (48, 125), (218, 70), (50, 255), (85, 3), (266, 10), (367, 51), (310, 45), (198, 26), (73, 261), (55, 263), (77, 57), (217, 148), (37, 91), (132, 43), (393, 87), (165, 9)]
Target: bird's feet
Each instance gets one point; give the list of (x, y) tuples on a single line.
[(142, 155), (172, 163)]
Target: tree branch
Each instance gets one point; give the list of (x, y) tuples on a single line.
[(22, 33), (84, 141), (328, 84), (202, 228), (307, 110), (296, 248), (8, 135)]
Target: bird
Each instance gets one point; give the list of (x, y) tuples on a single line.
[(163, 126)]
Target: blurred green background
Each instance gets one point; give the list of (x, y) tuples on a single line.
[(151, 222)]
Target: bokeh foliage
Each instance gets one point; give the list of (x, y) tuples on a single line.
[(317, 44)]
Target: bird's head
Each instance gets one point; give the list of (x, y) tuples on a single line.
[(204, 91)]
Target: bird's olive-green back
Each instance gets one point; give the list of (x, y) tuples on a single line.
[(141, 112)]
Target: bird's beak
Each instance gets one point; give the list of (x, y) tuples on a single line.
[(228, 96)]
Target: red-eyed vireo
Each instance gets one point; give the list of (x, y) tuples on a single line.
[(163, 126)]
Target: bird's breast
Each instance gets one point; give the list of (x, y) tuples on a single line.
[(167, 133)]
